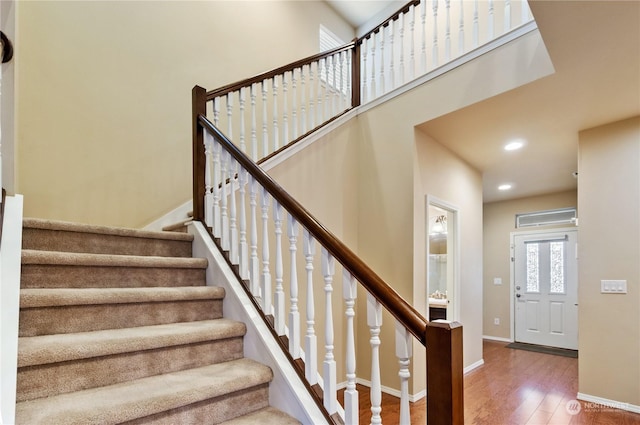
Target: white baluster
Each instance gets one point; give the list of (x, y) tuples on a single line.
[(334, 89), (323, 74), (243, 144), (348, 79), (234, 256), (447, 34), (254, 262), (374, 87), (341, 81), (401, 34), (312, 99), (265, 129), (243, 177), (363, 75), (279, 315), (216, 111), (230, 116), (507, 15), (461, 30), (217, 171), (254, 135), (310, 339), (423, 37), (303, 100), (285, 109), (266, 273), (294, 313), (412, 45), (436, 59), (274, 112), (404, 352), (224, 211), (328, 89), (476, 25), (294, 105), (491, 22), (349, 293), (382, 61), (208, 194), (374, 321), (524, 12), (329, 364)]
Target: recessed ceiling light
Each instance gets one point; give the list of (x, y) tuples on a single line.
[(505, 186), (514, 146)]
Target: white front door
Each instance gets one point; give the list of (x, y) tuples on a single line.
[(546, 289)]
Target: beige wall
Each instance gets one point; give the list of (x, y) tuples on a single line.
[(609, 248), (499, 222), (104, 94)]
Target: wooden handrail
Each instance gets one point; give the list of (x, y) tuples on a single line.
[(406, 314), (402, 10), (277, 71)]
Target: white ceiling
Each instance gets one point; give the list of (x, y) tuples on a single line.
[(595, 50)]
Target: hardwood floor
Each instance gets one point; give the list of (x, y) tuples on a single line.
[(514, 387)]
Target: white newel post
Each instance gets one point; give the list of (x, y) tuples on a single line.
[(329, 365), (279, 315), (311, 347), (349, 293), (254, 261), (266, 273), (294, 313), (404, 352), (374, 321)]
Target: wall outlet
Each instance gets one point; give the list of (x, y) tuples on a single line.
[(496, 321)]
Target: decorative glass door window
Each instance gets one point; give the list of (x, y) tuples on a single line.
[(533, 269), (556, 254)]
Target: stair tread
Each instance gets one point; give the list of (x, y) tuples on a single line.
[(268, 415), (58, 258), (146, 396), (37, 223), (50, 297), (38, 350)]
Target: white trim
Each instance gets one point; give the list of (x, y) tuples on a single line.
[(473, 366), (496, 338), (174, 216), (392, 391), (607, 403)]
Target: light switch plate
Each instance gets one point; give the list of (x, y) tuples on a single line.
[(497, 281), (613, 286)]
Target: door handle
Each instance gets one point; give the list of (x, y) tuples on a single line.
[(518, 295), (7, 48)]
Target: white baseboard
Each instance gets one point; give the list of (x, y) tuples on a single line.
[(599, 403), (174, 216), (392, 391), (473, 366), (496, 338)]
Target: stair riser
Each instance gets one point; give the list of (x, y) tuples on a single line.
[(212, 411), (60, 240), (82, 318), (57, 378), (75, 276)]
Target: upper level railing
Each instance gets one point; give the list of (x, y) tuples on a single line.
[(268, 112), (247, 214)]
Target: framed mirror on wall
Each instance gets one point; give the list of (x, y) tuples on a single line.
[(442, 260)]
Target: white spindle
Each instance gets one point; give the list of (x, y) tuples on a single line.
[(436, 53), (374, 87), (312, 99), (363, 75), (294, 313), (476, 25), (266, 273), (230, 116), (243, 144), (322, 71), (274, 113), (303, 100), (254, 262), (491, 21), (341, 87), (233, 216), (243, 176), (401, 59), (382, 61), (334, 87), (461, 30), (311, 344), (349, 293), (208, 194), (328, 88), (447, 34), (348, 79), (285, 109), (404, 352), (254, 135), (279, 315), (412, 45), (423, 37), (265, 128), (374, 321), (524, 12), (329, 364), (507, 15), (216, 111), (224, 210), (294, 104), (217, 216)]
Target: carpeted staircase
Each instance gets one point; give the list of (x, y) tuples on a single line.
[(118, 326)]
